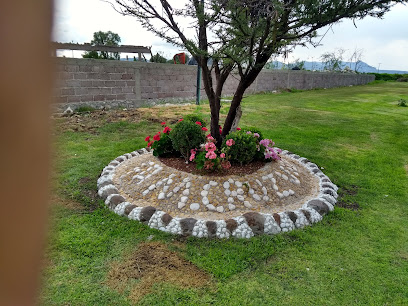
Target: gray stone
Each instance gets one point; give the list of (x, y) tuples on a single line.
[(129, 209), (319, 206), (292, 216), (166, 219), (255, 221), (115, 200), (187, 226), (212, 229), (146, 213)]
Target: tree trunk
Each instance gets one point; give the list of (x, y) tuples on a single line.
[(238, 116)]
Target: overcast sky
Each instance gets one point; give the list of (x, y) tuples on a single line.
[(384, 41)]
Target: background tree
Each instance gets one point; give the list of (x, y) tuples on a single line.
[(357, 58), (332, 61), (158, 58), (242, 35), (104, 39)]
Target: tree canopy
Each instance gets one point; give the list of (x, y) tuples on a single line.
[(104, 39), (241, 35)]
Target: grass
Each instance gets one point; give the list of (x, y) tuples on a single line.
[(358, 134)]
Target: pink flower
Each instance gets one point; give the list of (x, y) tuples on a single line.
[(192, 156), (204, 129), (198, 122), (210, 146), (226, 164), (230, 142), (163, 123), (222, 155), (210, 138), (249, 132), (180, 120), (256, 135), (211, 155)]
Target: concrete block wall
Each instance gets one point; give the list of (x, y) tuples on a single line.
[(105, 83)]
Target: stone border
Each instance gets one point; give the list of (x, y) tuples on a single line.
[(245, 226)]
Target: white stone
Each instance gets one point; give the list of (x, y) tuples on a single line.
[(273, 180), (188, 185), (259, 182), (172, 175), (151, 187), (251, 191), (265, 198), (240, 197), (256, 197), (204, 193), (231, 181), (291, 192), (270, 175), (297, 182), (161, 196), (231, 206), (206, 187), (265, 192), (278, 173), (184, 199), (210, 207), (220, 209), (170, 194), (151, 163), (213, 183), (247, 204), (238, 184), (180, 205), (176, 189), (264, 178), (195, 206), (186, 192), (205, 201), (169, 181), (275, 187), (148, 169), (186, 180), (240, 191), (284, 177), (226, 185), (145, 192), (159, 183), (227, 192), (280, 195), (230, 200), (286, 193), (234, 193)]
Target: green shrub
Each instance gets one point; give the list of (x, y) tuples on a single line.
[(85, 109), (402, 102), (194, 118), (253, 129), (164, 146), (244, 149), (402, 80), (187, 135)]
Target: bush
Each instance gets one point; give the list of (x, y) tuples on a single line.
[(194, 118), (244, 149), (187, 135), (253, 130), (402, 80), (85, 109), (163, 146), (402, 102)]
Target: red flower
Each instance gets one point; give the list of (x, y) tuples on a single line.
[(198, 122), (150, 144), (238, 129), (147, 138), (181, 119), (209, 135), (163, 123), (204, 129), (156, 137), (166, 130)]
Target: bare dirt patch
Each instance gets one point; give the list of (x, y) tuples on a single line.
[(58, 200), (154, 263), (346, 195)]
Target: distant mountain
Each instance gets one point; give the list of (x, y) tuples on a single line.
[(319, 66)]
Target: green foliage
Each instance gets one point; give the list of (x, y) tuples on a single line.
[(244, 149), (253, 129), (194, 118), (85, 109), (158, 58), (402, 102), (186, 136), (104, 39), (332, 61), (389, 77), (164, 146)]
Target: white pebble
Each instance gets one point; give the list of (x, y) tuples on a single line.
[(273, 180), (238, 184), (184, 199), (206, 187), (251, 191), (213, 183), (205, 201), (275, 187), (240, 191), (264, 190), (291, 192), (169, 194), (161, 196), (265, 198), (230, 200), (259, 182), (279, 195), (231, 206), (169, 181), (204, 193), (247, 204), (186, 180), (226, 185), (227, 192), (172, 175), (176, 189), (195, 206), (286, 193), (151, 187), (256, 197), (220, 209), (284, 177), (180, 205), (145, 192), (186, 192), (231, 181), (210, 207), (264, 178), (234, 193), (188, 185), (240, 197)]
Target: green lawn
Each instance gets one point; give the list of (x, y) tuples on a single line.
[(354, 256)]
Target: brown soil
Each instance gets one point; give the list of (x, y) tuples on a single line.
[(344, 200), (150, 264), (236, 169)]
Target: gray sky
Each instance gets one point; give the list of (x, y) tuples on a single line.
[(385, 41)]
